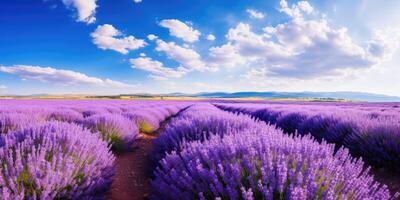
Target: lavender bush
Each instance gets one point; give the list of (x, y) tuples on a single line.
[(263, 165), (371, 131), (54, 161), (14, 121), (199, 122), (115, 128), (146, 122), (65, 115)]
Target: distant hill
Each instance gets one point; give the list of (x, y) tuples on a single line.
[(310, 96), (355, 96)]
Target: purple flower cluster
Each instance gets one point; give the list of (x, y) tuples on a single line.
[(46, 153), (120, 131), (54, 160), (198, 123), (146, 122), (371, 131), (118, 121), (256, 162), (14, 121), (65, 115)]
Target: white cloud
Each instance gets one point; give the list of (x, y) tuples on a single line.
[(188, 58), (151, 37), (255, 14), (211, 37), (142, 55), (59, 76), (137, 1), (301, 48), (259, 78), (86, 9), (181, 30), (158, 78), (296, 10), (3, 87), (384, 43), (158, 70), (226, 55), (107, 37)]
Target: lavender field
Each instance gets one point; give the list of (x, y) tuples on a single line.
[(199, 100), (73, 149)]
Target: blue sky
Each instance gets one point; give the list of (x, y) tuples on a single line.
[(155, 46)]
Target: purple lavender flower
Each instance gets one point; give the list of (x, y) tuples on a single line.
[(12, 121), (54, 160), (115, 128), (199, 122), (195, 172), (370, 131), (65, 115)]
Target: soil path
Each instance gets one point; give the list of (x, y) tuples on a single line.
[(131, 181), (134, 168)]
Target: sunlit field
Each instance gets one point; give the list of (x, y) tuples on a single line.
[(133, 149), (199, 100)]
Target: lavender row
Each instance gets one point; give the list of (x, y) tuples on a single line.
[(119, 122), (61, 149), (54, 160), (212, 154), (198, 123), (372, 133)]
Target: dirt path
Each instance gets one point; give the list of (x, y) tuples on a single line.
[(131, 181), (134, 168)]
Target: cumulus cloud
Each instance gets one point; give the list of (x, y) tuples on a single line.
[(151, 37), (86, 9), (296, 10), (181, 30), (384, 43), (187, 57), (137, 1), (59, 76), (299, 48), (226, 55), (157, 69), (107, 37), (254, 14), (211, 37)]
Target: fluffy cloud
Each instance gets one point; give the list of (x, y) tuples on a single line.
[(211, 37), (137, 1), (157, 69), (187, 57), (86, 9), (59, 76), (181, 30), (296, 10), (255, 14), (384, 43), (300, 48), (107, 37), (226, 55), (151, 37)]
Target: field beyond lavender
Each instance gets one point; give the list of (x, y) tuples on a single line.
[(149, 149)]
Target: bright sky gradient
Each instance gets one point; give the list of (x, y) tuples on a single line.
[(159, 46)]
